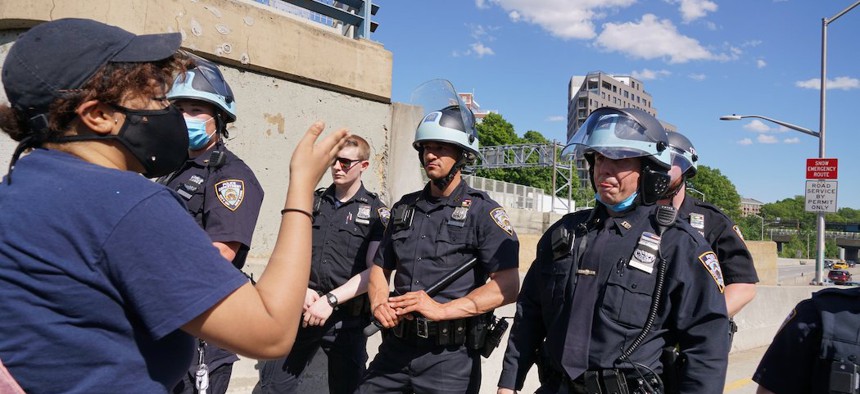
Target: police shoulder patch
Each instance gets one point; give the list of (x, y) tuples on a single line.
[(709, 260), (500, 217), (384, 215), (231, 193)]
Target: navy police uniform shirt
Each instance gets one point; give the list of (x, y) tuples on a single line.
[(800, 356), (442, 234), (725, 238), (342, 232), (692, 312), (224, 199)]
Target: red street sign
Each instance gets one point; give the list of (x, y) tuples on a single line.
[(821, 168)]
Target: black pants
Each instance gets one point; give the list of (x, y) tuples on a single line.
[(343, 343), (414, 365)]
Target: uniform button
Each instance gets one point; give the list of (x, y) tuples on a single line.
[(419, 259), (416, 282), (423, 236), (633, 286), (427, 215)]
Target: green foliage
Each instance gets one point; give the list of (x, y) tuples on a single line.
[(718, 190), (494, 130), (790, 213)]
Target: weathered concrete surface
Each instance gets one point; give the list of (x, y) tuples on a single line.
[(239, 33), (765, 258)]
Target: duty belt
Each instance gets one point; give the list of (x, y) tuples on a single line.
[(448, 332), (610, 381)]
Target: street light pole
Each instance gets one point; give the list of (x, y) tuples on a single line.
[(762, 224)]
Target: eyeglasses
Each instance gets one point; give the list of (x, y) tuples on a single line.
[(346, 164)]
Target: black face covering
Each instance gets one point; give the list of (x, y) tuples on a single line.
[(158, 138)]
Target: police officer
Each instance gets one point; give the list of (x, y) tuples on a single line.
[(220, 191), (433, 345), (611, 286), (817, 349), (348, 224), (722, 234)]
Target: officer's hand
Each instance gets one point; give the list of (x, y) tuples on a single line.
[(310, 297), (418, 301), (385, 315), (312, 158), (503, 390), (318, 313)]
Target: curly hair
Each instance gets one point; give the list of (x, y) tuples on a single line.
[(112, 83)]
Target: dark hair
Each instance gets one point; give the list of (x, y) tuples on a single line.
[(112, 83)]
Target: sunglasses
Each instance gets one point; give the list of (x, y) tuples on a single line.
[(346, 164)]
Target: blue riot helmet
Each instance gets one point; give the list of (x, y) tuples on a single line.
[(446, 119), (205, 82), (617, 134)]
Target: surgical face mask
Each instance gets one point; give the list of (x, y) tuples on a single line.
[(621, 206), (197, 136)]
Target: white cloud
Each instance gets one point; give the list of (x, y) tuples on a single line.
[(844, 83), (757, 126), (481, 4), (710, 25), (745, 141), (648, 75), (556, 118), (651, 38), (760, 63), (694, 9), (766, 139), (480, 50), (565, 19), (751, 43), (698, 77), (794, 140)]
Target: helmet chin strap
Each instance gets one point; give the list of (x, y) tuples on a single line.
[(442, 183)]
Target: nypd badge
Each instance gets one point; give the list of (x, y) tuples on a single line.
[(709, 260), (230, 192), (460, 213), (384, 215), (363, 216), (646, 251), (501, 218)]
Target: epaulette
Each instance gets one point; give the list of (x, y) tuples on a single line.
[(319, 191)]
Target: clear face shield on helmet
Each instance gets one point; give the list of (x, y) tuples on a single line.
[(616, 135), (446, 118)]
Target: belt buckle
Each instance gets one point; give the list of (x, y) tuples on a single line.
[(422, 330)]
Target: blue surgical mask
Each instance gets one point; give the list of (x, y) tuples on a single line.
[(197, 137), (621, 206)]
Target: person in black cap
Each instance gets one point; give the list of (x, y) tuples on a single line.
[(104, 276), (610, 287), (219, 190)]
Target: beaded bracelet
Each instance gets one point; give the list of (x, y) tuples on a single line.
[(306, 213)]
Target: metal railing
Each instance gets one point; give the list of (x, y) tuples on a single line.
[(351, 17)]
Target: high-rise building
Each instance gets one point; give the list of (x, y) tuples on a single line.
[(599, 89)]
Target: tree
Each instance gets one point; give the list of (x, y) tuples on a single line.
[(718, 190)]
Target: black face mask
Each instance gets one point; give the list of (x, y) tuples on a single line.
[(157, 138)]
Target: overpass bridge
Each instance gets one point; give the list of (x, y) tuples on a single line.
[(848, 240)]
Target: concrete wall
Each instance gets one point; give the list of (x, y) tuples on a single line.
[(764, 257), (286, 73)]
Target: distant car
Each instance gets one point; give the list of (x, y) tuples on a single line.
[(839, 277), (828, 264), (839, 266), (851, 263), (852, 283)]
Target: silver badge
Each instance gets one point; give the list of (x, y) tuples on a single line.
[(460, 213)]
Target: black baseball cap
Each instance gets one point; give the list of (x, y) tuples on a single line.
[(63, 54)]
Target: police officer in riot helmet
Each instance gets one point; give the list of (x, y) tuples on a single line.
[(220, 191), (611, 286), (431, 232), (718, 229)]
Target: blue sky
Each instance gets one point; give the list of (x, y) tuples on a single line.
[(699, 59)]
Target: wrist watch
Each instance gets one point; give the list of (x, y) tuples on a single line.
[(332, 300)]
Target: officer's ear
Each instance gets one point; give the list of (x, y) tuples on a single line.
[(363, 165)]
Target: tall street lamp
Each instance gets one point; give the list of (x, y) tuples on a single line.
[(819, 259), (762, 224)]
